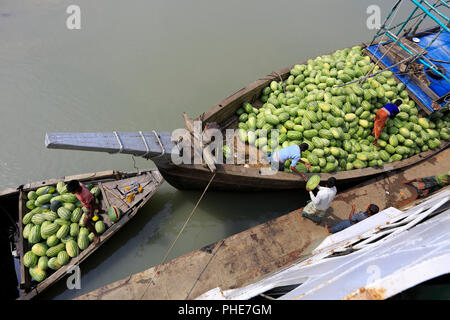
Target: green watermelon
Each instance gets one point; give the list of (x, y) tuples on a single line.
[(100, 227), (38, 274), (39, 249), (30, 259), (72, 248), (63, 257), (313, 182), (114, 213), (43, 263)]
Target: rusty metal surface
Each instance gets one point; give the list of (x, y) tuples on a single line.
[(255, 253)]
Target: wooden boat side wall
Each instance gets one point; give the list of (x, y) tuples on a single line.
[(239, 178), (60, 273), (112, 174), (21, 246)]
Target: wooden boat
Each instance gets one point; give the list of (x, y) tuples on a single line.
[(159, 146), (111, 184)]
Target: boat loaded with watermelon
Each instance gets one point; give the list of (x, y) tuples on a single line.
[(328, 102), (48, 236)]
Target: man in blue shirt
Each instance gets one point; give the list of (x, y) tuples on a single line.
[(388, 111), (294, 153), (354, 218)]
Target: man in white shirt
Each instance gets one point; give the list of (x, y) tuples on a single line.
[(315, 210)]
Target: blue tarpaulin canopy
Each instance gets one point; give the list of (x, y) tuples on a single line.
[(439, 50)]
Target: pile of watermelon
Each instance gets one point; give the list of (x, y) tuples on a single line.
[(54, 229), (337, 121)]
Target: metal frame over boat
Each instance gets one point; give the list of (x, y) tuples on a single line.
[(12, 202)]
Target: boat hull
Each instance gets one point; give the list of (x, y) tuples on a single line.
[(240, 178)]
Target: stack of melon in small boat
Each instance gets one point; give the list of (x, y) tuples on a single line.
[(54, 229)]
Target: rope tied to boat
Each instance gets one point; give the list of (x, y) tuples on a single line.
[(206, 266), (179, 234)]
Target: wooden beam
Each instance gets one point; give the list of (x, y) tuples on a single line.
[(199, 150), (126, 142)]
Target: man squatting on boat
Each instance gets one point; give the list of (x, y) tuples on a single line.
[(88, 201)]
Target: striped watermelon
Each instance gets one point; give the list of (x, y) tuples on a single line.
[(83, 241), (313, 182), (35, 234), (26, 230), (30, 204), (69, 206), (52, 240), (54, 264), (95, 191), (53, 251), (42, 190), (69, 197), (41, 200), (100, 227), (39, 249), (50, 216), (63, 257), (50, 229), (64, 213), (30, 259), (38, 218), (61, 187), (76, 215), (67, 238), (63, 231), (72, 248), (114, 213), (43, 263), (38, 274), (32, 195), (74, 229), (62, 222)]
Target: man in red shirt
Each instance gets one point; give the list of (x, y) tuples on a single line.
[(88, 201), (388, 111)]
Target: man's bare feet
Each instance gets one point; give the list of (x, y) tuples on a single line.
[(327, 227), (376, 144)]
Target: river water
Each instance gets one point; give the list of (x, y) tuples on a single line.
[(137, 65)]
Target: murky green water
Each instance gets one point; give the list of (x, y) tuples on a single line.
[(137, 65)]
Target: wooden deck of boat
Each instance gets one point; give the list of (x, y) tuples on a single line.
[(247, 256)]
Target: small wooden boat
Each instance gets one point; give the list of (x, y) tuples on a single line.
[(111, 184), (159, 147)]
